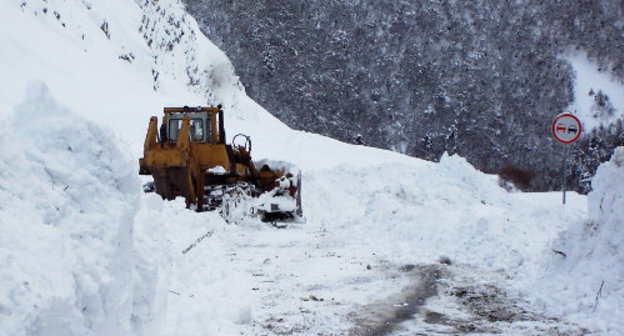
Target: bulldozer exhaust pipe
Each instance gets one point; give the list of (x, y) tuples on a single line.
[(221, 126)]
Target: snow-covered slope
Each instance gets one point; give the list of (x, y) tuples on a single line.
[(598, 100), (103, 60), (85, 252)]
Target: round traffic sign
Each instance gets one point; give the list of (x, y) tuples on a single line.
[(566, 128)]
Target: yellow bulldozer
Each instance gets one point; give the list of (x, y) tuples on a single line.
[(188, 156)]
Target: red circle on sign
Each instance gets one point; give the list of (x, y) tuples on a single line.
[(566, 128)]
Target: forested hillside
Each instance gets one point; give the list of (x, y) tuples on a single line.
[(480, 78)]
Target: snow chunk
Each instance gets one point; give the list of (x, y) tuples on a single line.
[(218, 170)]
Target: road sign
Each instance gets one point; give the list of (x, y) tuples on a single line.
[(566, 128)]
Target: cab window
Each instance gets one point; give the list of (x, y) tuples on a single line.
[(174, 129), (196, 129)]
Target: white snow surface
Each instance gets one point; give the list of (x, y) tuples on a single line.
[(591, 276), (85, 252), (590, 79), (67, 201)]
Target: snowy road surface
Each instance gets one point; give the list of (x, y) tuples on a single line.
[(299, 281), (383, 259)]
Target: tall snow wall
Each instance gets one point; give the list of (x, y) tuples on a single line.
[(586, 282), (68, 197)]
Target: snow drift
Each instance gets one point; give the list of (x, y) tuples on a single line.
[(68, 196), (588, 283)]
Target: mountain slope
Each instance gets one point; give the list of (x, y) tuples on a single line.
[(481, 79)]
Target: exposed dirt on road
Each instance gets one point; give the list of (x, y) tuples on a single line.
[(389, 315), (452, 300)]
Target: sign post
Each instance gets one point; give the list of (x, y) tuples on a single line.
[(566, 128)]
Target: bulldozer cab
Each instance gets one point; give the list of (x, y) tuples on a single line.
[(205, 126)]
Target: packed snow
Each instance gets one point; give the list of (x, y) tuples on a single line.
[(85, 252), (68, 200)]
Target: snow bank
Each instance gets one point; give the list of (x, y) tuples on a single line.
[(194, 286), (418, 213), (588, 283), (68, 196)]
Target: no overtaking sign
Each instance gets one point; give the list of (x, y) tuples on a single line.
[(566, 128)]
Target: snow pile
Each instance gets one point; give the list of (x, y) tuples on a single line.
[(201, 292), (421, 211), (588, 283), (68, 196)]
